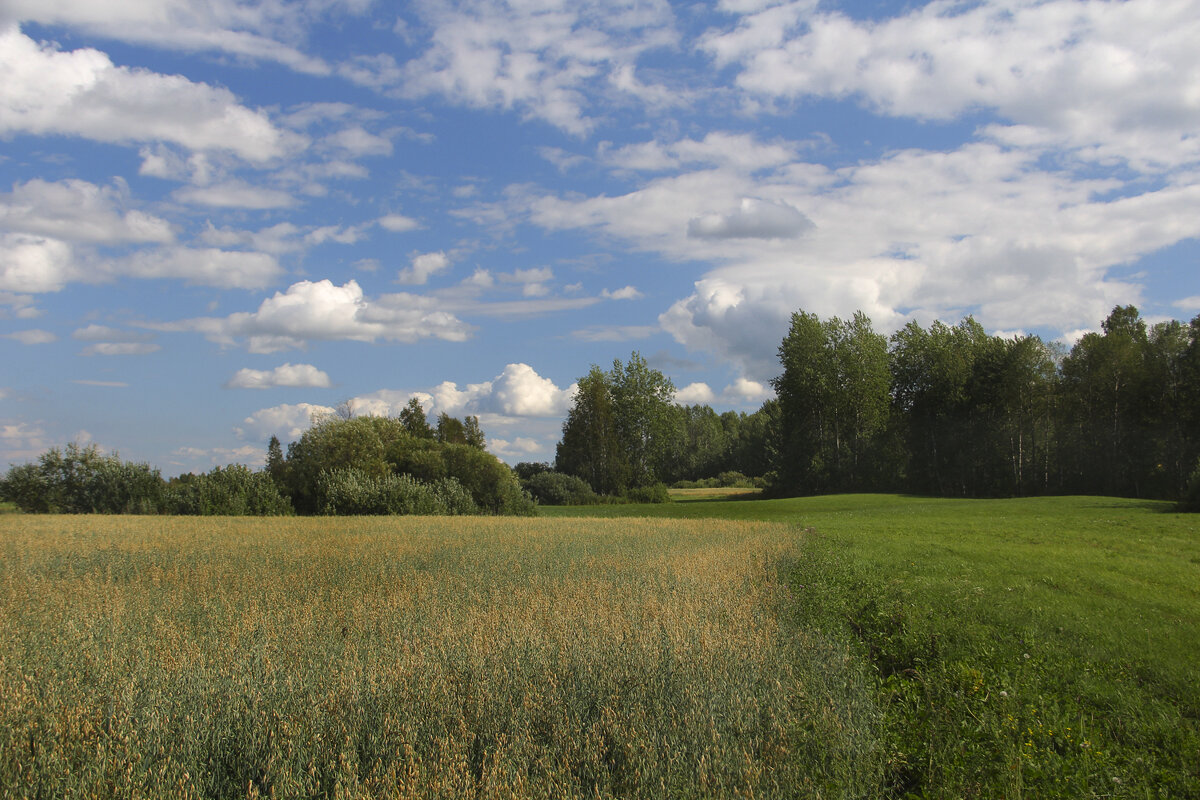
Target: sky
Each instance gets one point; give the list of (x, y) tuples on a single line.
[(221, 217)]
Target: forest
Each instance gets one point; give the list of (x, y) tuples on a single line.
[(947, 411)]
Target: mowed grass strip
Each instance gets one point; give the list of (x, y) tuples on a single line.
[(1039, 647), (156, 657)]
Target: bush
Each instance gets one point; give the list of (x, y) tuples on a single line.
[(82, 480), (654, 493), (233, 491), (353, 492), (560, 489)]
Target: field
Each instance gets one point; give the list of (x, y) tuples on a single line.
[(852, 646), (152, 657)]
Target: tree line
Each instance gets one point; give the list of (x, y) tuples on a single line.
[(944, 410), (343, 464)]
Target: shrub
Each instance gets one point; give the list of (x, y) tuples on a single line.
[(560, 489), (654, 493), (233, 491), (82, 480), (349, 491)]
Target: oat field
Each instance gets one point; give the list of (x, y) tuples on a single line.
[(417, 657)]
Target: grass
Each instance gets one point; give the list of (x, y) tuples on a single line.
[(856, 646), (409, 657), (1042, 647)]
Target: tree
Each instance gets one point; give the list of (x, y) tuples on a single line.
[(590, 448), (412, 417), (642, 401), (834, 395)]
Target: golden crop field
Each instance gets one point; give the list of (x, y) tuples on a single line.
[(415, 657)]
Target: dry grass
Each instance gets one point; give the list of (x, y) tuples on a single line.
[(152, 657)]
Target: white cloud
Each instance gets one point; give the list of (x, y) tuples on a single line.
[(398, 223), (982, 229), (753, 219), (82, 93), (520, 391), (205, 267), (1188, 304), (119, 349), (325, 312), (287, 375), (423, 266), (21, 441), (518, 447), (1111, 79), (283, 237), (260, 31), (32, 336), (534, 58), (624, 293), (286, 421), (78, 211), (695, 394), (104, 333), (357, 142), (747, 391), (235, 194), (34, 264)]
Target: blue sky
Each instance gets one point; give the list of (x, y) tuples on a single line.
[(218, 218)]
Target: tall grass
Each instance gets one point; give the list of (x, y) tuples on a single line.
[(151, 657)]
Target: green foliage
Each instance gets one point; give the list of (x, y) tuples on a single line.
[(82, 480), (491, 483), (351, 492), (559, 489), (654, 493), (234, 490), (1033, 647), (619, 431), (413, 420)]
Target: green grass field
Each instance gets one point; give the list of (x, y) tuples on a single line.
[(1034, 647), (856, 646)]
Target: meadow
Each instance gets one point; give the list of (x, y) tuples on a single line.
[(854, 646), (416, 657), (1033, 647)]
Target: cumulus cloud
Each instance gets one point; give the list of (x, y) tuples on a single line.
[(286, 421), (520, 391), (423, 266), (44, 90), (745, 391), (78, 211), (286, 375), (34, 264), (694, 394), (534, 59), (321, 311), (753, 219), (1108, 79), (521, 446)]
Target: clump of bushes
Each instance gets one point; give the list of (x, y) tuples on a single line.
[(349, 491), (82, 480), (559, 489), (730, 479), (654, 493), (234, 491)]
